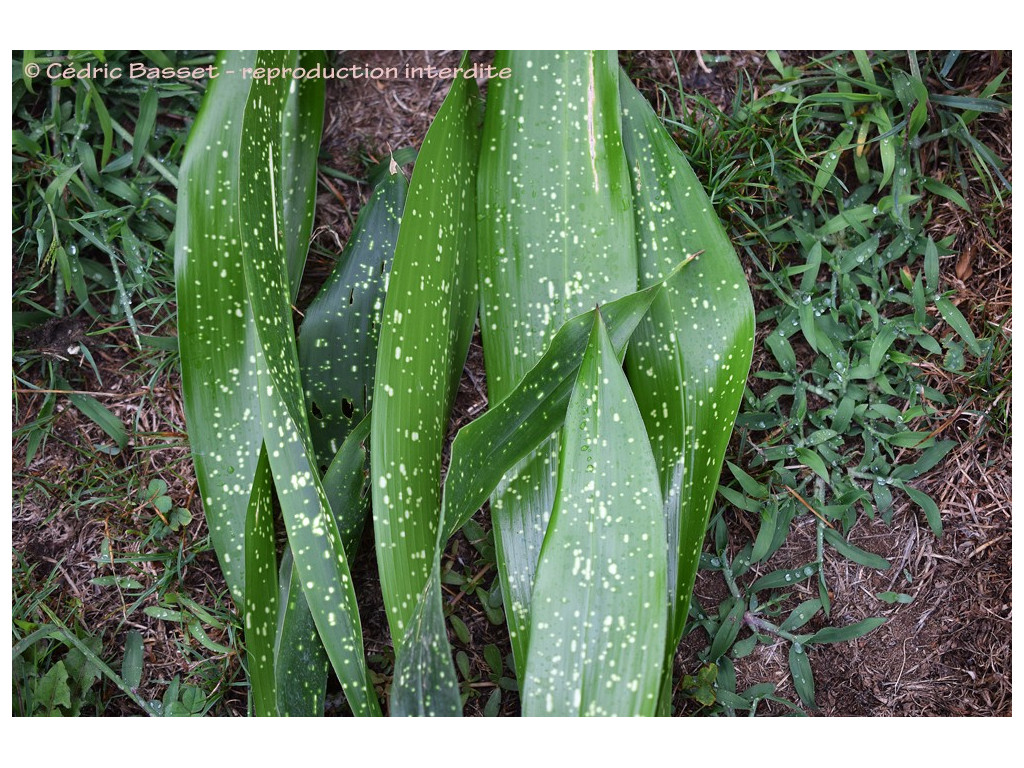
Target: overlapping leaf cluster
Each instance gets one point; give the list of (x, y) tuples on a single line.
[(570, 195)]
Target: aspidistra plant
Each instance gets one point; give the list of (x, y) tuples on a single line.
[(572, 196), (242, 233)]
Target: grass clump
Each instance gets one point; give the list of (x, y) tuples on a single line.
[(836, 177)]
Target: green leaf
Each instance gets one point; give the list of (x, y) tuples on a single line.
[(261, 597), (66, 636), (217, 338), (483, 451), (301, 125), (300, 661), (926, 503), (856, 554), (926, 461), (312, 531), (894, 597), (428, 318), (803, 678), (163, 614), (52, 690), (958, 323), (106, 125), (555, 239), (131, 665), (121, 582), (887, 334), (144, 125), (204, 640), (843, 634), (786, 577), (727, 630), (338, 338), (689, 359), (801, 615), (345, 485), (98, 414), (814, 462), (765, 533), (936, 187), (750, 486), (914, 95), (829, 163), (600, 595), (492, 655)]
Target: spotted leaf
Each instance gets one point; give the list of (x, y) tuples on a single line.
[(598, 618), (689, 359), (556, 238), (428, 319)]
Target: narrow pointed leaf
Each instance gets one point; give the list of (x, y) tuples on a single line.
[(854, 553), (689, 359), (481, 454), (216, 335), (727, 630), (98, 414), (301, 125), (491, 445), (958, 323), (338, 338), (346, 486), (803, 678), (261, 601), (926, 503), (555, 239), (312, 531), (844, 634), (429, 313), (300, 661), (600, 598)]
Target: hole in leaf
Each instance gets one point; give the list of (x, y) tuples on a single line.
[(347, 408), (382, 265), (351, 296), (317, 413)]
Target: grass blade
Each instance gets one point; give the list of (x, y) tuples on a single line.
[(429, 312), (556, 238), (600, 597), (98, 414), (803, 678)]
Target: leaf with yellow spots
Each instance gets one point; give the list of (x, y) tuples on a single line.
[(556, 238), (316, 544), (428, 318), (689, 359), (482, 452), (598, 617), (338, 337)]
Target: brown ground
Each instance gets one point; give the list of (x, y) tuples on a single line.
[(946, 653)]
